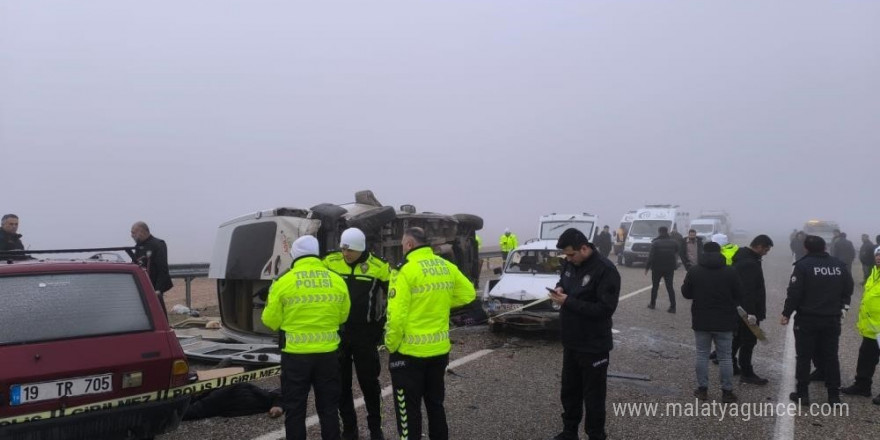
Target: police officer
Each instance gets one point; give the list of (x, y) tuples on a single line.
[(423, 290), (819, 291), (367, 278), (507, 242), (587, 293), (308, 304)]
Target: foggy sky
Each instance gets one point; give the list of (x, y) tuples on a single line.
[(185, 114)]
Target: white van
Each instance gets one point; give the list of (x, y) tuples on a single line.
[(644, 229), (627, 220), (551, 226), (706, 228)]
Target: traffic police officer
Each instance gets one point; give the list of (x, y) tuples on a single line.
[(819, 291), (508, 243), (367, 278), (587, 294), (423, 290), (308, 304)]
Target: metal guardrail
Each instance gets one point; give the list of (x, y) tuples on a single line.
[(188, 272)]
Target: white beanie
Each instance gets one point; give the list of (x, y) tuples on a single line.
[(506, 230), (877, 251), (721, 239), (305, 245), (354, 239)]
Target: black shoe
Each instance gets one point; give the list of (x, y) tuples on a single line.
[(349, 434), (753, 379), (817, 376), (671, 309), (876, 400), (377, 435), (701, 393), (713, 356), (797, 398), (652, 306), (727, 396), (856, 390), (833, 397), (565, 435)]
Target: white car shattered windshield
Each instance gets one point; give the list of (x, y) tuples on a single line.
[(545, 262)]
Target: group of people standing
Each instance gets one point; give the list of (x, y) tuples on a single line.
[(334, 313)]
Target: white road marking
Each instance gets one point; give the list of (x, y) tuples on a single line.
[(634, 293), (359, 402), (784, 428)]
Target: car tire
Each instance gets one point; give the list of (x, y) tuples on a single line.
[(627, 261), (470, 221), (327, 211), (373, 219)]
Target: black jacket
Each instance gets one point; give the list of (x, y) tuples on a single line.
[(754, 299), (684, 253), (664, 251), (593, 289), (603, 242), (716, 290), (820, 285), (844, 251), (10, 242), (152, 253), (866, 253)]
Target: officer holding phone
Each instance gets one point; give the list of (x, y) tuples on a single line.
[(587, 294)]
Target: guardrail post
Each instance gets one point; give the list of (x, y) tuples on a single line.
[(188, 281)]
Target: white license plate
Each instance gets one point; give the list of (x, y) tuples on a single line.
[(80, 386)]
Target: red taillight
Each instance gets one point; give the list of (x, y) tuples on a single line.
[(179, 373)]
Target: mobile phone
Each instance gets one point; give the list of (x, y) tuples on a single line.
[(551, 290)]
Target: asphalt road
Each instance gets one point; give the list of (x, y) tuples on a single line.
[(511, 389)]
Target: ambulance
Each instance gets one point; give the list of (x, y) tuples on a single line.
[(644, 229), (551, 226)]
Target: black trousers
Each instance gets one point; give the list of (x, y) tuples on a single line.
[(301, 372), (414, 380), (655, 285), (584, 385), (359, 347), (816, 338), (869, 356), (744, 342), (866, 271)]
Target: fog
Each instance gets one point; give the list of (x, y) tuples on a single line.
[(185, 114)]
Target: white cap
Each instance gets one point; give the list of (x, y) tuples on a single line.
[(353, 239), (305, 245), (506, 230), (721, 239), (877, 251)]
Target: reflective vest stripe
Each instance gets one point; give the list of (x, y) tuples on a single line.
[(426, 339), (306, 338)]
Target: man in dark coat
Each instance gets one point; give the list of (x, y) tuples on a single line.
[(716, 291), (152, 253), (10, 239), (661, 263), (603, 242), (747, 262), (587, 294), (844, 250), (797, 246)]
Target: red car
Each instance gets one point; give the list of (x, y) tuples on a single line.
[(85, 351)]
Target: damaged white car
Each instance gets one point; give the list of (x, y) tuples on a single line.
[(530, 270)]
